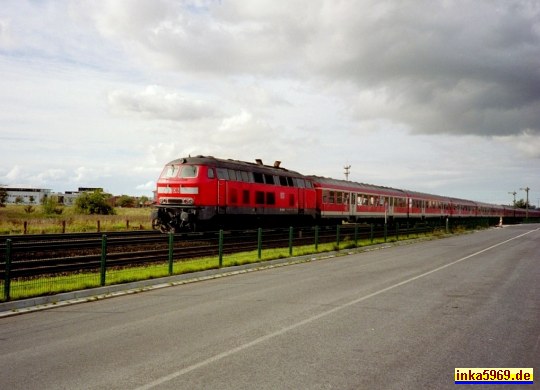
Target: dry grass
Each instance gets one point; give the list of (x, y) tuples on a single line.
[(14, 217)]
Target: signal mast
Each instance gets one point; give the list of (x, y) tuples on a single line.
[(347, 171)]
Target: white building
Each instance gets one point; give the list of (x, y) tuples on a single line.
[(36, 195), (26, 195)]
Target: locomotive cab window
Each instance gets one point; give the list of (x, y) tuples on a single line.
[(189, 171), (211, 173), (170, 171)]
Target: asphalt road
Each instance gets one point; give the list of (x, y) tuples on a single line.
[(396, 318)]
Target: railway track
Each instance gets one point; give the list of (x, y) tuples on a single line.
[(53, 254)]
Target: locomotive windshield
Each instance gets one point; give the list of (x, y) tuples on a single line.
[(182, 171), (189, 171)]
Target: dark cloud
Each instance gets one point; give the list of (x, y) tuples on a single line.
[(447, 66)]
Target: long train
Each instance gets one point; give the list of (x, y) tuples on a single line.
[(201, 193)]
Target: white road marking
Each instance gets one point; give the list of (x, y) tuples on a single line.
[(286, 329)]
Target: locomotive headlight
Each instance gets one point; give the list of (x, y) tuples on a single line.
[(189, 190)]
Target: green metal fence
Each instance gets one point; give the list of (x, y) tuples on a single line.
[(299, 242)]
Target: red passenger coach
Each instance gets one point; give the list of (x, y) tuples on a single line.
[(194, 193), (340, 199)]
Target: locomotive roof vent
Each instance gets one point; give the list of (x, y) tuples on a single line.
[(277, 163), (258, 161)]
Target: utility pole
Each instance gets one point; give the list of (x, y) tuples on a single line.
[(347, 171), (526, 189)]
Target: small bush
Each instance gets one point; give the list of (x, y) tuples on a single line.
[(50, 206), (94, 203)]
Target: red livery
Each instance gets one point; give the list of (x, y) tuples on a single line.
[(198, 193)]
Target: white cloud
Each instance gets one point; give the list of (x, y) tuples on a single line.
[(525, 143), (156, 102), (14, 173), (147, 187)]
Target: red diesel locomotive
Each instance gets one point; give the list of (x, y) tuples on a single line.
[(195, 193), (200, 193)]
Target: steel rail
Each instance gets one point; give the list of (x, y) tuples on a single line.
[(82, 252)]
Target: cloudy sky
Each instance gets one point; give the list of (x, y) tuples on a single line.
[(434, 96)]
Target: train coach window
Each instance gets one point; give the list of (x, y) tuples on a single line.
[(222, 174), (211, 173), (309, 184), (283, 181), (301, 183), (331, 197), (232, 174), (339, 198), (189, 171)]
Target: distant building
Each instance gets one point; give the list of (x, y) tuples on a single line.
[(26, 195), (37, 195), (69, 197)]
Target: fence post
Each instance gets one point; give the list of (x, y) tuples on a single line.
[(259, 243), (7, 276), (290, 240), (447, 225), (317, 237), (385, 232), (103, 259), (63, 227), (338, 231), (171, 252), (220, 248), (371, 233), (407, 229), (98, 226)]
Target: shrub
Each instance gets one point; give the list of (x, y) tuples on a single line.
[(94, 203), (125, 201), (50, 205)]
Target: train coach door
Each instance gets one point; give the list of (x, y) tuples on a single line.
[(352, 205)]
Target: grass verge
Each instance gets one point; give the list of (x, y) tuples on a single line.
[(34, 287)]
